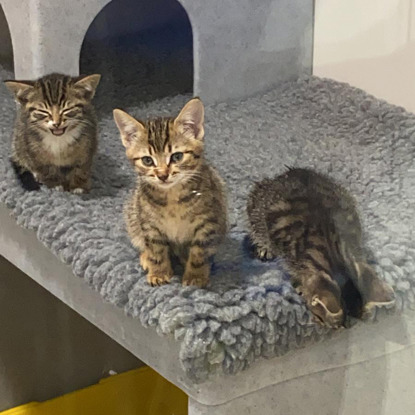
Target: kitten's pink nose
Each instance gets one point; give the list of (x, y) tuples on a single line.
[(163, 177)]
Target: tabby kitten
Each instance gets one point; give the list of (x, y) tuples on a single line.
[(55, 133), (312, 223), (179, 205)]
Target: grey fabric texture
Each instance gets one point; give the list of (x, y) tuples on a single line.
[(250, 310)]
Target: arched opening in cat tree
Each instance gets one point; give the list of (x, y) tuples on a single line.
[(6, 48), (142, 48)]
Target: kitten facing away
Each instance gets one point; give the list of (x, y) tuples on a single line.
[(312, 224), (179, 206), (55, 132)]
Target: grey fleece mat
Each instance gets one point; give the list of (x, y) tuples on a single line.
[(250, 310)]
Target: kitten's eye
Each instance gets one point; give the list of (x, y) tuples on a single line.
[(71, 112), (39, 115), (147, 161), (175, 157)]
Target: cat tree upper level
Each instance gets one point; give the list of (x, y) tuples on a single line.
[(240, 47)]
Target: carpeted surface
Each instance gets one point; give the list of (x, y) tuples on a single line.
[(250, 309)]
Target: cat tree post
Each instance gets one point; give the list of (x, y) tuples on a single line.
[(243, 47)]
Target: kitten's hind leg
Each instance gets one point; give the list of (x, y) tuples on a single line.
[(321, 295), (375, 292), (28, 180)]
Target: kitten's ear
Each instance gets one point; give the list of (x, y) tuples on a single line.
[(88, 84), (20, 89), (191, 118), (130, 129)]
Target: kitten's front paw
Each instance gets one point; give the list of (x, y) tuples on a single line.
[(194, 279), (158, 279), (264, 254), (78, 191), (58, 188), (144, 262)]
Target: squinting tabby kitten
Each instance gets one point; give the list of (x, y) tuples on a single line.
[(55, 134), (311, 222), (179, 204)]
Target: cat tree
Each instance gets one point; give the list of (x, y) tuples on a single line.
[(240, 47)]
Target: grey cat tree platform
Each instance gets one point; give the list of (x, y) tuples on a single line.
[(366, 144)]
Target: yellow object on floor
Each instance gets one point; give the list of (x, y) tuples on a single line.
[(138, 392)]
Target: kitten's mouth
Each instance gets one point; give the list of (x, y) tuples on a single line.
[(58, 131), (165, 185)]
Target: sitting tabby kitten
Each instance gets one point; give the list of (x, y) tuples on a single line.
[(55, 134), (312, 223), (179, 204)]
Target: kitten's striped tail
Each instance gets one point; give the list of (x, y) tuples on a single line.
[(25, 177)]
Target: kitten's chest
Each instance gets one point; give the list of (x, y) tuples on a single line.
[(59, 149), (176, 225), (177, 222)]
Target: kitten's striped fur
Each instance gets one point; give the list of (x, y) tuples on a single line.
[(311, 222), (55, 133), (179, 205)]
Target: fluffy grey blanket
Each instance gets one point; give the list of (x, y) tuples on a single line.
[(250, 310)]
